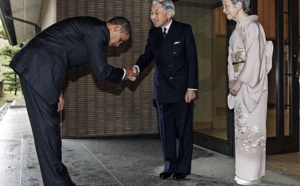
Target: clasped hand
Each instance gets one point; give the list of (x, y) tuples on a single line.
[(131, 73), (235, 86)]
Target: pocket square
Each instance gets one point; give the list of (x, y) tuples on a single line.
[(177, 42)]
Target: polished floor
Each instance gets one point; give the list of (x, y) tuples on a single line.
[(288, 162), (132, 161)]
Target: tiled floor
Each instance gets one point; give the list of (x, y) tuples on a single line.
[(132, 161)]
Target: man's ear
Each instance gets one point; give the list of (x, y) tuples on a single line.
[(169, 14), (117, 27)]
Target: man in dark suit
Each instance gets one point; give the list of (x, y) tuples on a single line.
[(175, 82), (42, 65)]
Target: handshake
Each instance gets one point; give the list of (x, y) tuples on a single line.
[(132, 73)]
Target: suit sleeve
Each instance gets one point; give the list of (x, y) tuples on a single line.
[(192, 59), (146, 58), (95, 42)]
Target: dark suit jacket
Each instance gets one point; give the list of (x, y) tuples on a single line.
[(46, 58), (176, 63)]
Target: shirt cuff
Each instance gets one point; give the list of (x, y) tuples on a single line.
[(124, 73), (137, 68), (192, 89)]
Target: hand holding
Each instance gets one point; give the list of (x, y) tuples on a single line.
[(131, 73)]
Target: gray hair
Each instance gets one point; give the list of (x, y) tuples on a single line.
[(167, 5), (245, 3)]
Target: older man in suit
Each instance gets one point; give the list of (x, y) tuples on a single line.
[(172, 46), (42, 65)]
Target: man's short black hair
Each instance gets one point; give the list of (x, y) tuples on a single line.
[(126, 26)]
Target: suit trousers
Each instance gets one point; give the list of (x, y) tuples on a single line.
[(44, 120), (176, 120)]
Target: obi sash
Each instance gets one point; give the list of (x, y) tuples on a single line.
[(238, 60)]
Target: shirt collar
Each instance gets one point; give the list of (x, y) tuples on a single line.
[(167, 27)]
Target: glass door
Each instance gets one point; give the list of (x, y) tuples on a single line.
[(283, 102), (209, 26)]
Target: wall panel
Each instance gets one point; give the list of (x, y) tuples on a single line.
[(94, 107)]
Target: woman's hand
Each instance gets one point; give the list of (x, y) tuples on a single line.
[(235, 87), (231, 82)]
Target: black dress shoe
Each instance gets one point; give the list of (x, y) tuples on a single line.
[(165, 175), (179, 176)]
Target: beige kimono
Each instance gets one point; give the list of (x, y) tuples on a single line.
[(246, 62)]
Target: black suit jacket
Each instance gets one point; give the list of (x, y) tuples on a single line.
[(176, 63), (44, 61)]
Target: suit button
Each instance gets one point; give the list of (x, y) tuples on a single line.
[(174, 53), (170, 65), (171, 78)]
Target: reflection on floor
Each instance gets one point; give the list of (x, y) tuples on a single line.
[(218, 133), (288, 162)]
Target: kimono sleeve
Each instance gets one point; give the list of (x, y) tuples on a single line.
[(230, 69), (252, 72)]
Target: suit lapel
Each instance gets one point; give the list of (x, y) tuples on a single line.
[(158, 41), (172, 34), (173, 31), (159, 36), (162, 44)]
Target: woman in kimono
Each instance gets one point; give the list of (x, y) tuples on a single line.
[(248, 85)]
